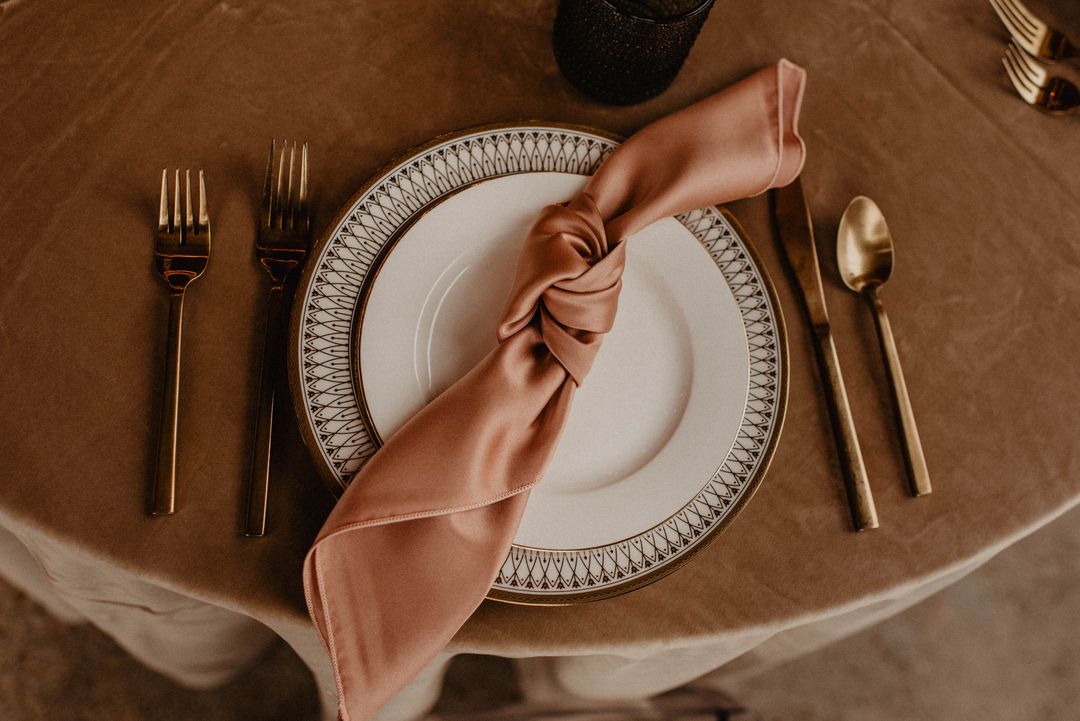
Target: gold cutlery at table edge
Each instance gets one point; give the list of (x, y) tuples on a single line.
[(1032, 34), (181, 252), (865, 259), (1034, 44), (864, 256), (795, 229), (281, 245), (1036, 86)]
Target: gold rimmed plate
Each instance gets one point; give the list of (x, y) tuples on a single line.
[(670, 434)]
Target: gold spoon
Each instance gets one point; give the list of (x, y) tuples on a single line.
[(864, 252)]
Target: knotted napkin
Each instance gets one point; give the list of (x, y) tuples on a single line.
[(417, 539)]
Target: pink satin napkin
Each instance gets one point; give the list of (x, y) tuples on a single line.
[(414, 544)]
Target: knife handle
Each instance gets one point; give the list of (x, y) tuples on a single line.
[(860, 498)]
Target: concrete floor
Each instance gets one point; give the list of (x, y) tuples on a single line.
[(1004, 643)]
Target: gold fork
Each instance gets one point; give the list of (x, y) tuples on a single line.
[(284, 236), (1032, 34), (1036, 86), (181, 252)]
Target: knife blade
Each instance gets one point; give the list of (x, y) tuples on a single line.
[(795, 229)]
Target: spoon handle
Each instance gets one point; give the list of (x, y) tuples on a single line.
[(918, 475), (860, 498)]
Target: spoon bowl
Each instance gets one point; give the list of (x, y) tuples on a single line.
[(864, 246)]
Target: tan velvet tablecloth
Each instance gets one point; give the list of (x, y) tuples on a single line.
[(906, 102)]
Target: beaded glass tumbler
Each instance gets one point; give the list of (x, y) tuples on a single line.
[(623, 52)]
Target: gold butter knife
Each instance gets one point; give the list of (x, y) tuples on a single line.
[(796, 231)]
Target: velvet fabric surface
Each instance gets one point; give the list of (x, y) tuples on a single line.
[(417, 539), (908, 104)]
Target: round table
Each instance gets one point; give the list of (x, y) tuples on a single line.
[(905, 103)]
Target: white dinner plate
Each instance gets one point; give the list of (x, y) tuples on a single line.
[(669, 435)]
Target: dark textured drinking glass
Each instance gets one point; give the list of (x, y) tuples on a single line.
[(625, 51)]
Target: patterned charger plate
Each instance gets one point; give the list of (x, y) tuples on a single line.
[(669, 436)]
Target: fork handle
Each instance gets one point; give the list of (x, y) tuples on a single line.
[(164, 494), (259, 481)]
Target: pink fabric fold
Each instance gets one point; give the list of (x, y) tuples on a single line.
[(414, 544)]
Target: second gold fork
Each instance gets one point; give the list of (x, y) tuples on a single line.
[(181, 253), (284, 235), (1043, 91)]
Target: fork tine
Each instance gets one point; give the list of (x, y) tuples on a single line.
[(305, 215), (1006, 18), (268, 186), (1035, 72), (277, 221), (1014, 63), (1012, 77), (176, 225), (1024, 15), (1000, 12), (290, 215), (1021, 64), (163, 214), (1022, 86), (189, 217), (1018, 31), (204, 214), (1019, 80)]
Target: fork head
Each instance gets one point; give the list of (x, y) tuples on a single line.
[(1027, 30), (182, 246), (1031, 33), (284, 234), (1036, 86)]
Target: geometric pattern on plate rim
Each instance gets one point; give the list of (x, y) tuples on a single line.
[(330, 398)]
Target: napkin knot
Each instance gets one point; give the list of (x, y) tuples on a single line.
[(568, 280)]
